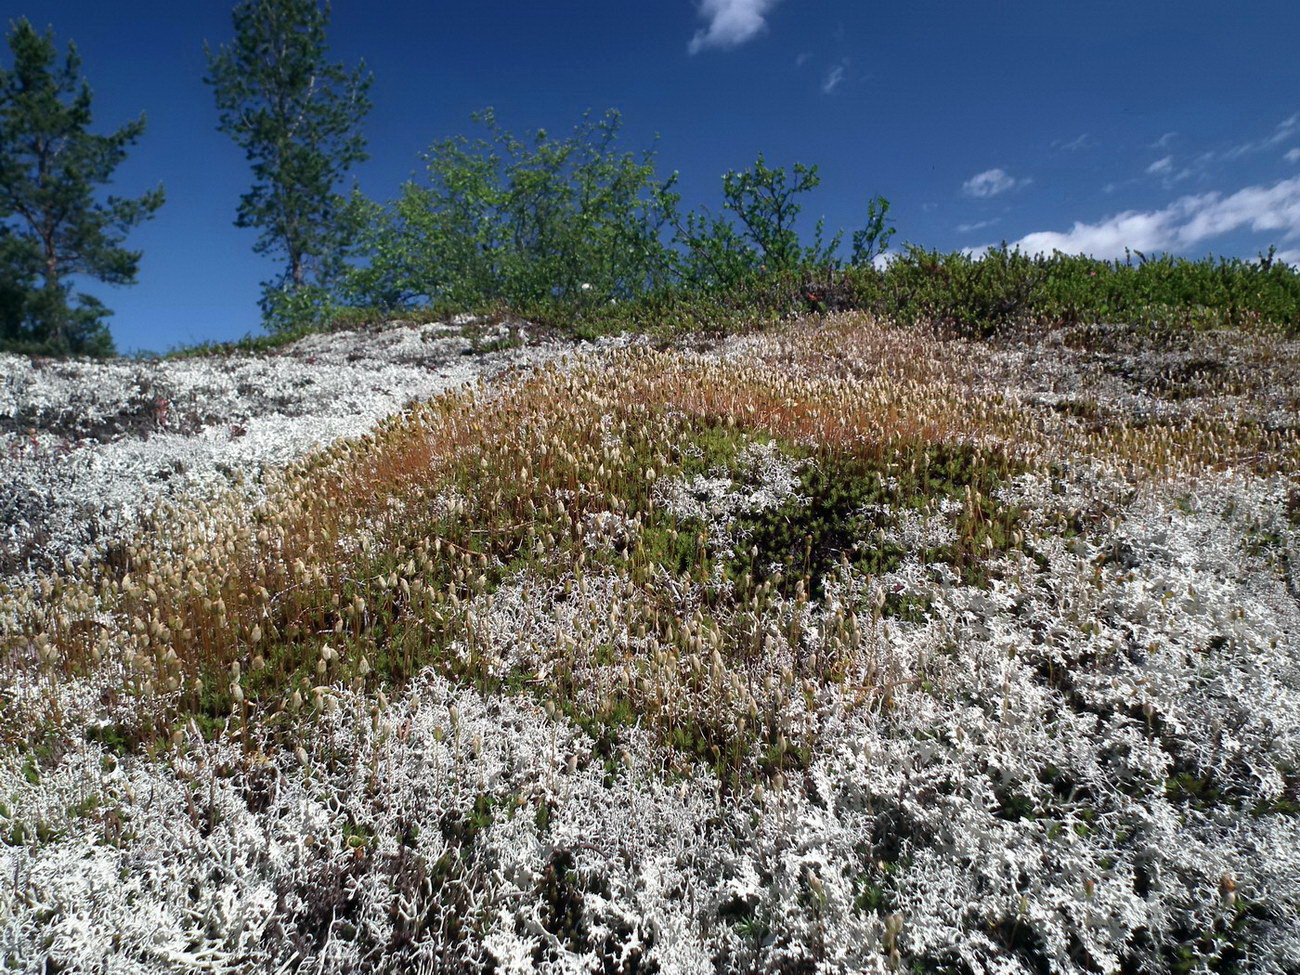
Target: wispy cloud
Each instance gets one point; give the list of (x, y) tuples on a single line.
[(730, 23), (1185, 223), (991, 182), (1169, 175), (1084, 141), (1284, 130), (1292, 155), (965, 228), (835, 76), (1203, 162)]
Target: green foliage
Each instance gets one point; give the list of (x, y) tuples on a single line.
[(873, 239), (845, 504), (569, 230), (574, 220), (298, 118), (21, 328), (766, 203), (954, 292), (288, 309), (970, 294), (574, 235), (981, 295), (51, 225)]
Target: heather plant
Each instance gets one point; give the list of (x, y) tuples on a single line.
[(89, 447), (1002, 295), (1005, 289)]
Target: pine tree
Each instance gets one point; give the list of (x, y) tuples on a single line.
[(298, 118), (51, 224)]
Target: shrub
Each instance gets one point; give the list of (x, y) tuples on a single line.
[(497, 218)]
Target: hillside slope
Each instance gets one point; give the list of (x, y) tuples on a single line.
[(90, 446), (833, 647)]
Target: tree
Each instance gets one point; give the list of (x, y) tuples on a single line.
[(298, 119), (572, 219), (51, 225), (766, 202), (873, 240)]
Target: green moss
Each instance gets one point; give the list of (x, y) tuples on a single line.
[(845, 504), (118, 739), (1199, 791)]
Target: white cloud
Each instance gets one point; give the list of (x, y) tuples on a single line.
[(1284, 130), (1183, 224), (731, 23), (1292, 155), (1083, 141), (834, 77), (991, 182), (965, 228), (1164, 168), (1291, 257), (1202, 162)]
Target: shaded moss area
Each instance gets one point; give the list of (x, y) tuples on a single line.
[(846, 507)]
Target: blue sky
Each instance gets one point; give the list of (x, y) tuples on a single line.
[(1090, 126)]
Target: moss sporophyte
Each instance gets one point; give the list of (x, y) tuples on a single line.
[(846, 628)]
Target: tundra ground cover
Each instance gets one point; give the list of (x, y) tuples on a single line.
[(834, 647), (89, 447)]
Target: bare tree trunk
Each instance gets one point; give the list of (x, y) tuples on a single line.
[(57, 309)]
